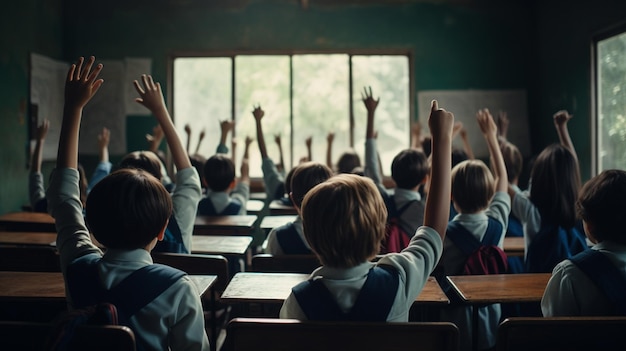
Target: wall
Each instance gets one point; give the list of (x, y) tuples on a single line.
[(33, 25)]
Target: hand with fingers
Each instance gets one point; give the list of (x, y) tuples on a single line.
[(150, 95), (503, 124), (486, 123), (257, 112), (82, 83), (103, 138), (561, 118), (368, 100), (42, 130)]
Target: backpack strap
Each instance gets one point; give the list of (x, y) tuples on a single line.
[(373, 303), (465, 240), (172, 240), (232, 209), (206, 208), (290, 241), (604, 275)]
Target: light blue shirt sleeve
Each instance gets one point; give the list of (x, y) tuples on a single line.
[(371, 162), (36, 190), (185, 198), (271, 177), (102, 170)]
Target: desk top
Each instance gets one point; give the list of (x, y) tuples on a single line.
[(50, 286), (500, 288), (514, 246), (270, 222), (277, 208), (27, 221), (224, 225), (28, 238), (276, 287), (254, 207), (219, 244)]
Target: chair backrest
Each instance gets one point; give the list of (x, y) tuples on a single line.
[(284, 263), (561, 333), (34, 336), (29, 258), (197, 264), (259, 334)]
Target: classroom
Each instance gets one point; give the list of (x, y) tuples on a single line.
[(307, 63)]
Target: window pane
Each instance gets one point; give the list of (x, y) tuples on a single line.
[(202, 98), (320, 104), (262, 80), (611, 85), (388, 76)]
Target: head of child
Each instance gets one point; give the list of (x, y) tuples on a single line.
[(513, 161), (344, 220), (145, 160), (409, 169), (128, 209), (601, 206), (305, 176), (473, 186), (198, 161), (219, 173), (555, 183), (348, 162)]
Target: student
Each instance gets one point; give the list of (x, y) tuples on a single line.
[(576, 291), (289, 239), (154, 141), (225, 195), (483, 205), (128, 212), (348, 162), (409, 170), (273, 180), (344, 222), (550, 204), (104, 165)]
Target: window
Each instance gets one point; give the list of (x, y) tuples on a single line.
[(304, 95), (610, 83)]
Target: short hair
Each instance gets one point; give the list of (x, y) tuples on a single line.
[(427, 145), (219, 172), (601, 203), (305, 176), (348, 161), (513, 160), (473, 186), (458, 156), (145, 160), (127, 209), (198, 161), (409, 168), (344, 220)]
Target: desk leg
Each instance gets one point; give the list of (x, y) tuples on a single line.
[(213, 322), (475, 327)]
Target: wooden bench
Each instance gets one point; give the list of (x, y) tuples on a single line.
[(265, 334), (27, 222), (561, 333)]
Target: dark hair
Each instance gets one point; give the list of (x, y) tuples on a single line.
[(198, 161), (513, 160), (145, 160), (305, 177), (348, 161), (409, 168), (555, 183), (219, 172), (601, 204), (127, 209), (427, 145), (458, 156)]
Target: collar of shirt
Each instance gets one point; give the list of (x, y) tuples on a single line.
[(406, 195)]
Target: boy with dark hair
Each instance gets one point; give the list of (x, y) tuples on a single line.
[(289, 239), (129, 211), (592, 282)]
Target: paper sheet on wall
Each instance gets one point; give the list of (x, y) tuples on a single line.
[(135, 67), (465, 103)]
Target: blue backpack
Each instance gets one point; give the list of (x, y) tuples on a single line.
[(551, 245), (290, 242), (373, 303), (206, 208), (172, 240), (605, 276), (483, 257)]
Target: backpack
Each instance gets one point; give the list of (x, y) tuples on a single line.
[(206, 208), (551, 245), (396, 237), (172, 240), (603, 273), (372, 304), (483, 257), (96, 305)]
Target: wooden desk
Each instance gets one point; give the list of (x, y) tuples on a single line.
[(261, 196), (254, 207), (220, 244), (277, 208), (224, 225), (514, 246), (270, 222), (276, 287), (28, 238), (27, 222)]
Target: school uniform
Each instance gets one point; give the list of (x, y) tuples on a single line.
[(453, 260), (185, 198), (173, 320), (225, 204), (570, 292), (275, 245), (37, 192), (273, 180), (528, 214), (413, 265), (102, 170)]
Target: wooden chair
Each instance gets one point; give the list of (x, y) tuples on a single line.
[(29, 258), (561, 333), (34, 336), (265, 334), (284, 263)]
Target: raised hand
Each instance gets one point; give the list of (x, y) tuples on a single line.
[(330, 137), (103, 138), (486, 123), (150, 94), (226, 126), (308, 142), (561, 117), (82, 83), (42, 129), (277, 139), (368, 100), (503, 124), (440, 121), (258, 113)]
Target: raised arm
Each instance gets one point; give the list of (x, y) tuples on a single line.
[(151, 96), (245, 162), (258, 114), (490, 132), (503, 126), (154, 140), (467, 147), (103, 144), (42, 131), (372, 168), (81, 85), (437, 209), (309, 153), (560, 123), (226, 126), (370, 104), (200, 139), (329, 150), (416, 136), (188, 133), (281, 160)]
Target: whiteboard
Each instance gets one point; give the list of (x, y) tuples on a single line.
[(465, 103)]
